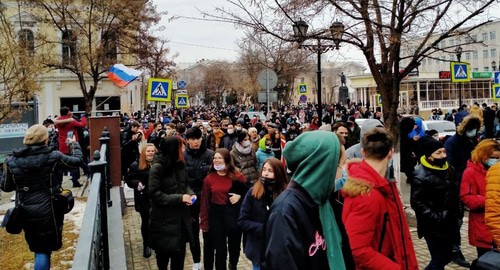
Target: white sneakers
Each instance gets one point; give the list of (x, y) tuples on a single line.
[(197, 266)]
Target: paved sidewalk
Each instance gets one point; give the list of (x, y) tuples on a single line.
[(135, 261)]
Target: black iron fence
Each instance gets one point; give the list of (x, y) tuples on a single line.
[(92, 250)]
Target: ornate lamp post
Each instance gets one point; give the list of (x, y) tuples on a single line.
[(458, 52), (300, 32)]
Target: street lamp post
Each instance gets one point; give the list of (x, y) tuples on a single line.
[(458, 52), (494, 65), (300, 30)]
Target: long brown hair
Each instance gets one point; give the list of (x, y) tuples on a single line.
[(143, 163), (230, 169), (279, 175)]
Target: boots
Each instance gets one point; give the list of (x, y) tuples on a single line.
[(459, 259), (146, 253)]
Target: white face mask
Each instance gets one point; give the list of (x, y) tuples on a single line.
[(220, 167), (471, 133), (245, 143), (230, 131)]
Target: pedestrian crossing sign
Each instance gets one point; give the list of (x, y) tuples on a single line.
[(181, 101), (302, 87), (379, 100), (460, 72), (496, 92), (159, 89)]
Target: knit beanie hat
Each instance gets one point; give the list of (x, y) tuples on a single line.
[(430, 145), (36, 134)]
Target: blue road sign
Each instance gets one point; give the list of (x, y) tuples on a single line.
[(496, 77), (159, 89), (181, 84), (460, 72), (496, 91), (303, 98), (302, 89)]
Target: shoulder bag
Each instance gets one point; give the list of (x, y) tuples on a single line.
[(488, 261), (12, 221)]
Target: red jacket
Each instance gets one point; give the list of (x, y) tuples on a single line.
[(473, 194), (372, 203), (63, 129)]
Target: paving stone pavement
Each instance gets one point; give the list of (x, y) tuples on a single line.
[(135, 261)]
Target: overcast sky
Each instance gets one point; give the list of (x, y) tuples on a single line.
[(194, 40)]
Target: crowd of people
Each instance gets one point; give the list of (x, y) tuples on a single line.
[(295, 191)]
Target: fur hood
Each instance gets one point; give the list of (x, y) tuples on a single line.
[(361, 179)]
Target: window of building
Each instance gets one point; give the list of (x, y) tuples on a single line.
[(485, 54), (475, 69), (68, 47), (452, 42), (493, 35), (475, 55), (474, 38), (485, 36), (467, 56), (109, 42), (493, 53), (486, 68), (27, 40)]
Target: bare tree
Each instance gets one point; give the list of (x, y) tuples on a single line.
[(259, 51), (94, 33), (388, 33), (19, 68), (216, 80)]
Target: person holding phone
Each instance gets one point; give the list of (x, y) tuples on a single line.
[(221, 197), (67, 125)]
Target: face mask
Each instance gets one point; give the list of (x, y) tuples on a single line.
[(238, 128), (439, 162), (50, 130), (268, 149), (245, 143), (267, 181), (230, 131), (471, 133), (220, 167), (209, 130), (491, 161), (339, 182)]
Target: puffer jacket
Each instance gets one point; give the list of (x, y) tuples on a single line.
[(434, 199), (30, 172), (198, 163), (134, 176), (473, 194), (492, 214), (169, 216), (374, 221), (247, 163)]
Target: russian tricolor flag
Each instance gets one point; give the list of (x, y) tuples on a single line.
[(122, 75)]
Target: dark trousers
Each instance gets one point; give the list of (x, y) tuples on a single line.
[(440, 248), (74, 172), (162, 260), (458, 225), (195, 246), (226, 240), (481, 251), (145, 228)]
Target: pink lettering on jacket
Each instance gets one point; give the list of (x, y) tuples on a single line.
[(320, 243)]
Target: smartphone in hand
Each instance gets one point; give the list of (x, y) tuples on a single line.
[(70, 134)]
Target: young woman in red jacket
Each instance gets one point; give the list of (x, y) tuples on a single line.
[(473, 192)]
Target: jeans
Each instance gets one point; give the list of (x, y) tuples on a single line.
[(42, 261), (440, 248)]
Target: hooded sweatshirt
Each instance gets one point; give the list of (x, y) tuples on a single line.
[(311, 157)]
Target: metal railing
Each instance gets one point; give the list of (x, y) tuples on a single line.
[(92, 250)]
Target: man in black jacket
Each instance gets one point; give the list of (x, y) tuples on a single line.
[(198, 161), (130, 145)]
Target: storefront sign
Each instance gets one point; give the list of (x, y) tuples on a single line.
[(482, 75), (444, 74)]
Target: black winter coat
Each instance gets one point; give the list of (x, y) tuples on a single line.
[(134, 176), (30, 172), (170, 218), (291, 232), (198, 163), (252, 221), (434, 197)]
